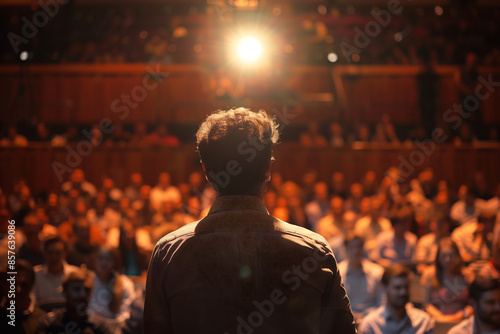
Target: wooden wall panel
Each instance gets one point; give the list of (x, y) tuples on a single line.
[(455, 165), (84, 93)]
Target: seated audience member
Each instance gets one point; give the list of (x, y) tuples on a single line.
[(312, 137), (170, 215), (103, 215), (332, 228), (361, 278), (446, 297), (14, 138), (162, 137), (398, 315), (31, 250), (427, 245), (468, 208), (48, 276), (475, 239), (27, 313), (118, 137), (78, 183), (56, 211), (492, 268), (370, 184), (336, 135), (134, 255), (370, 226), (396, 245), (112, 292), (318, 207), (485, 296), (338, 186), (133, 190), (362, 134), (142, 205), (113, 193), (83, 251), (353, 201), (42, 133), (164, 191), (74, 318)]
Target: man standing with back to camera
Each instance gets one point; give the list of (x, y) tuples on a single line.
[(240, 270)]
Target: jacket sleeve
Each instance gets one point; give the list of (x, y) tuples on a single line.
[(336, 314), (157, 316)]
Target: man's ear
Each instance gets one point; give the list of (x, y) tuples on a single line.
[(204, 171), (268, 171)]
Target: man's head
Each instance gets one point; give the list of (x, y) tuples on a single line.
[(235, 148), (54, 251), (77, 287), (485, 295), (354, 247), (82, 231), (396, 280), (401, 219)]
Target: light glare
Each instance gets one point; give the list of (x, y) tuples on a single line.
[(250, 49)]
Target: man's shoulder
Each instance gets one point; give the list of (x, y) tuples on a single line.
[(373, 317), (182, 232), (279, 227), (419, 318), (299, 231)]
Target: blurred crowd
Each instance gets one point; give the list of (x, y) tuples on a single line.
[(446, 236), (312, 134), (304, 33)]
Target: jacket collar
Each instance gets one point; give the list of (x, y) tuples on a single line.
[(232, 203)]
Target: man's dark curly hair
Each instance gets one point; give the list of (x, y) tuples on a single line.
[(236, 148)]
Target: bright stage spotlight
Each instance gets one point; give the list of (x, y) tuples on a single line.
[(249, 50)]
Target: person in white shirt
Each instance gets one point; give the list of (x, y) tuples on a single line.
[(112, 292), (48, 276), (475, 239), (370, 226), (468, 208), (164, 191), (396, 245), (361, 278)]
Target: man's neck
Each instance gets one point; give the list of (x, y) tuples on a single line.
[(356, 264), (399, 313), (77, 315), (56, 270)]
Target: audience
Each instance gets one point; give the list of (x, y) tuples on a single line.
[(373, 221)]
